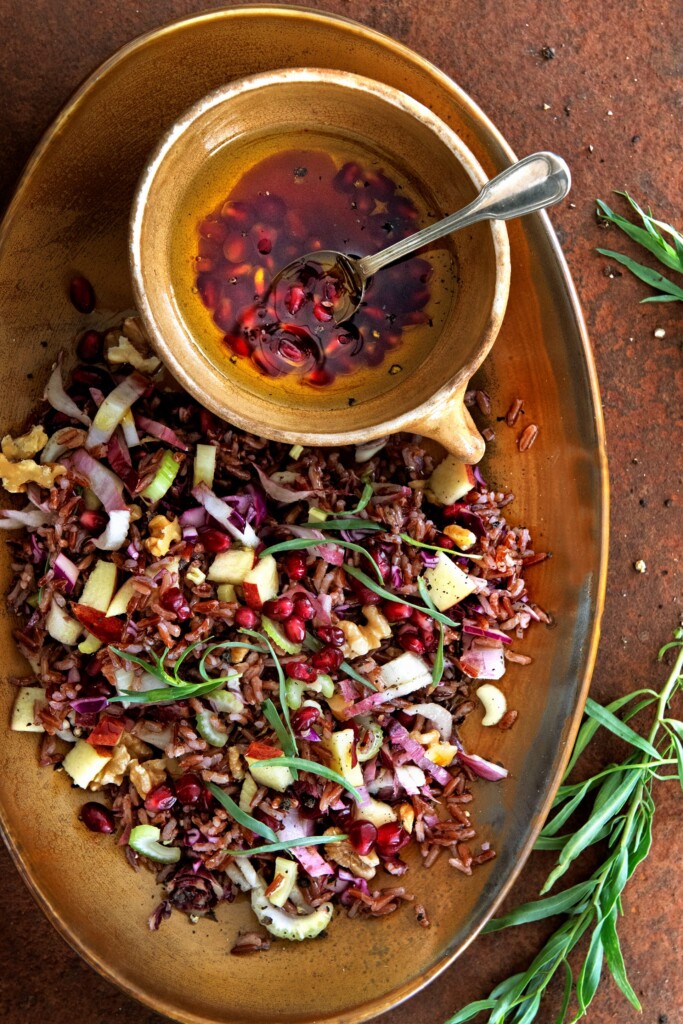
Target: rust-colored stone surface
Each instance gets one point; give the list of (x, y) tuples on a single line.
[(610, 100)]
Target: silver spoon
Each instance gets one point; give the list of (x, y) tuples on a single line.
[(537, 181)]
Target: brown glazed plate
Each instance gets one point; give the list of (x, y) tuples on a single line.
[(70, 213)]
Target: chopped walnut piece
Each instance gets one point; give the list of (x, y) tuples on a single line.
[(235, 763), (124, 353), (163, 533), (16, 475), (15, 448), (135, 746), (146, 777), (115, 770), (344, 854)]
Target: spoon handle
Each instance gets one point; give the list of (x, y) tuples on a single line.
[(537, 181)]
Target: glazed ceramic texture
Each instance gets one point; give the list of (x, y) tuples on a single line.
[(71, 214)]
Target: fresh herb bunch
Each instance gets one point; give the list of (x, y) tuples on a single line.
[(652, 236), (619, 808)]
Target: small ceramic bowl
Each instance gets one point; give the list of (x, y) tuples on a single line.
[(429, 401)]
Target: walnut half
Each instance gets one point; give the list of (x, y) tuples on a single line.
[(344, 854)]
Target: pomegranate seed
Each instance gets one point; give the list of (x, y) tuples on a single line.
[(215, 230), (280, 609), (90, 347), (264, 246), (327, 659), (452, 511), (97, 818), (429, 639), (270, 208), (303, 719), (444, 542), (363, 593), (296, 297), (92, 377), (235, 249), (301, 671), (391, 837), (303, 609), (320, 377), (395, 612), (246, 618), (331, 635), (161, 798), (341, 817), (82, 294), (295, 629), (93, 522), (295, 566), (422, 621), (239, 345), (410, 641), (207, 422), (188, 788), (173, 600), (214, 541), (382, 559), (322, 312), (362, 836)]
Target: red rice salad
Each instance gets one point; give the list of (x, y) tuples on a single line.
[(255, 659)]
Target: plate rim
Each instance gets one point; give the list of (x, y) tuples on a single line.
[(381, 1004)]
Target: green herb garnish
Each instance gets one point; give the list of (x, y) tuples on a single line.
[(314, 768), (299, 543), (388, 596), (345, 524), (437, 667), (240, 816), (271, 715), (288, 844), (365, 497), (282, 692), (652, 236), (619, 806)]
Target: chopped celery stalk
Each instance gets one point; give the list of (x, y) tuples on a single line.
[(296, 451), (294, 690), (144, 839), (33, 600), (317, 515), (204, 465), (323, 684), (208, 731), (287, 926), (195, 575), (371, 743), (277, 635), (226, 701), (165, 475)]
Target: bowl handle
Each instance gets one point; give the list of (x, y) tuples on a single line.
[(453, 427)]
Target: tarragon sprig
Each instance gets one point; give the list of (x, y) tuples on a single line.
[(618, 806), (653, 237)]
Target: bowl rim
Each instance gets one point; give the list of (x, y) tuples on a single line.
[(435, 74), (179, 352)]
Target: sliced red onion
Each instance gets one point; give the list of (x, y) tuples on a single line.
[(285, 495), (129, 430), (347, 689), (482, 662), (162, 432), (97, 396), (440, 716), (258, 504), (17, 519), (89, 705), (491, 634), (64, 569), (224, 515), (106, 485), (120, 461), (133, 552), (37, 550), (430, 558), (402, 738), (194, 517), (57, 397), (295, 826), (364, 452), (484, 769), (190, 533), (114, 408), (396, 577), (311, 735), (408, 777), (478, 477), (116, 533), (311, 861)]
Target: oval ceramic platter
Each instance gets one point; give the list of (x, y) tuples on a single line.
[(70, 213)]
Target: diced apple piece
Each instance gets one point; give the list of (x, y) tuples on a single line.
[(100, 585), (226, 592), (377, 812), (232, 566), (286, 871), (84, 762), (24, 710), (261, 583), (447, 583), (404, 669), (274, 776), (450, 481), (61, 626), (204, 465), (340, 746), (119, 602), (90, 645)]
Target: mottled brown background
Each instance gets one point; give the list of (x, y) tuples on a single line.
[(610, 101)]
